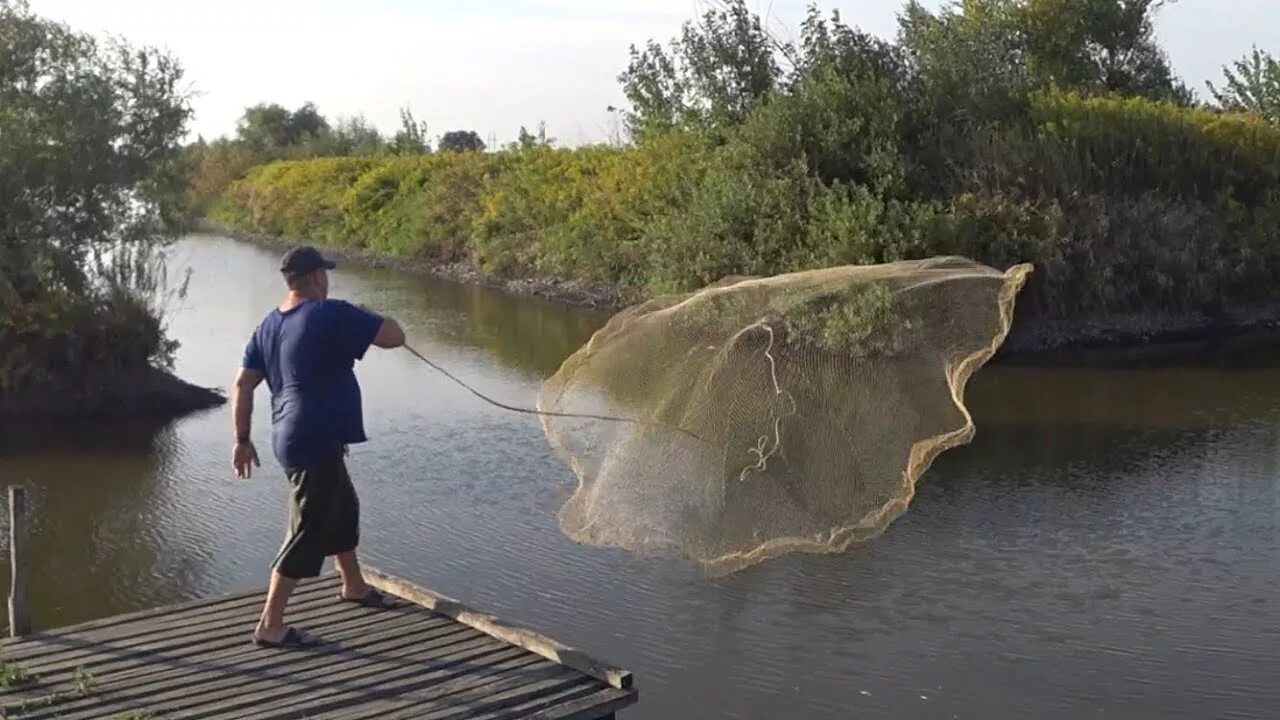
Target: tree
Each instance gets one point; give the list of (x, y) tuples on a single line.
[(966, 57), (265, 127), (305, 123), (352, 135), (526, 140), (270, 127), (92, 186), (715, 74), (981, 58), (1252, 85), (1097, 46), (356, 136), (833, 44), (89, 153), (213, 167), (411, 138), (461, 141), (844, 105)]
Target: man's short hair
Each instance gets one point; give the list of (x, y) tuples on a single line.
[(295, 281)]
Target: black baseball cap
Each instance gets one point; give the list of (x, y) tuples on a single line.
[(304, 259)]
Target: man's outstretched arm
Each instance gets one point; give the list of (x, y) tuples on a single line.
[(362, 328), (390, 334), (244, 455)]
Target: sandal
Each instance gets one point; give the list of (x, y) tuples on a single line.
[(373, 599), (293, 638)]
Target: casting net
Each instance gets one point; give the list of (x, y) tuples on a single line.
[(792, 413)]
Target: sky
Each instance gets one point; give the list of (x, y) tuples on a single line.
[(495, 65)]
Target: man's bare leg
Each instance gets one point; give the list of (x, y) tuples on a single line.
[(271, 624), (353, 584)]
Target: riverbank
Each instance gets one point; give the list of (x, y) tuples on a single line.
[(150, 394), (1114, 340), (568, 292), (129, 520), (1140, 340)]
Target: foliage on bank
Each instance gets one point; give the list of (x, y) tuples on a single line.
[(1002, 130), (91, 189)]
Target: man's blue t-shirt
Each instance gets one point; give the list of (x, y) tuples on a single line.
[(308, 356)]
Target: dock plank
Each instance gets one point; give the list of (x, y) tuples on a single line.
[(499, 628), (189, 610), (505, 692), (539, 703), (462, 690), (149, 628), (254, 686), (600, 704), (211, 653), (188, 681), (430, 658), (72, 649), (472, 662), (146, 670)]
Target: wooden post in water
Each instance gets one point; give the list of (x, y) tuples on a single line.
[(19, 617)]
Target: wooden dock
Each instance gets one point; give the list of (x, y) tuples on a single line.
[(430, 658)]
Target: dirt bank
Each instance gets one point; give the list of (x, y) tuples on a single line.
[(148, 394), (568, 292), (1124, 340)]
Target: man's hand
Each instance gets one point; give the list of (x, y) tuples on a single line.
[(242, 412), (243, 456)]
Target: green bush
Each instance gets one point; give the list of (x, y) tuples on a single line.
[(59, 344), (678, 213), (950, 142), (1130, 146), (298, 198)]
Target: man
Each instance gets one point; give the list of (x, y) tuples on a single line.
[(306, 351)]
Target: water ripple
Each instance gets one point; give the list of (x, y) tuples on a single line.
[(1108, 545)]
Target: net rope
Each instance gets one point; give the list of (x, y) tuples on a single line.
[(529, 411)]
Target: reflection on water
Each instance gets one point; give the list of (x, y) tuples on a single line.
[(1174, 397), (1107, 546), (104, 536), (524, 333)]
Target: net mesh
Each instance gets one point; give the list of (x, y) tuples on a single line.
[(792, 413)]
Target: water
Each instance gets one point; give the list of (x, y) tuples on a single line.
[(1107, 547)]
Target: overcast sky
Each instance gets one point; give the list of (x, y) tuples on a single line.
[(493, 65)]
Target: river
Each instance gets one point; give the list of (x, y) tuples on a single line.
[(1108, 546)]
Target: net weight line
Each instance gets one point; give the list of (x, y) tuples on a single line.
[(533, 411)]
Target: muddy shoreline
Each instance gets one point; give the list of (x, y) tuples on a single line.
[(151, 394), (600, 297), (1122, 340)]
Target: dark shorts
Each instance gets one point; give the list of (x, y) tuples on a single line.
[(324, 518)]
